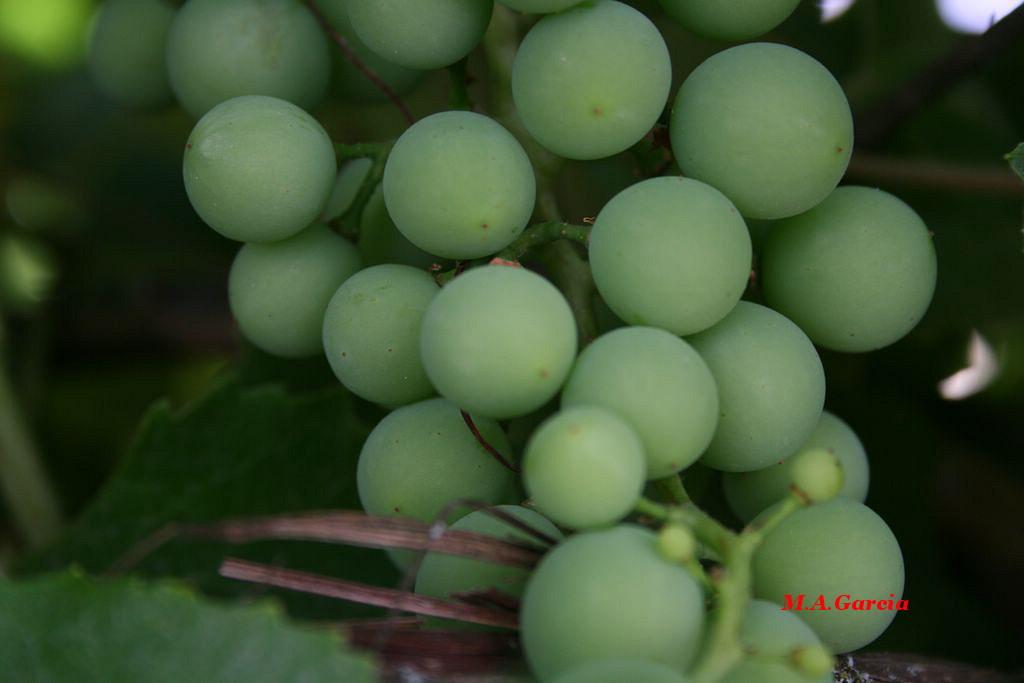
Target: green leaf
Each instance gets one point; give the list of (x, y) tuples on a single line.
[(1016, 159), (68, 627), (239, 452)]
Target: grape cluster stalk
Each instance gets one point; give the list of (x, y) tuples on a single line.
[(568, 375)]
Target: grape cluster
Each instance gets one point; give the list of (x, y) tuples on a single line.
[(486, 366)]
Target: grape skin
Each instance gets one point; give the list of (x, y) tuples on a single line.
[(258, 169), (833, 549), (276, 48), (426, 34), (620, 671), (126, 51), (539, 6), (457, 184), (670, 252), (371, 333), (278, 292), (609, 594), (422, 456), (733, 20), (584, 467), (856, 273), (767, 125), (442, 575), (748, 493), (498, 341), (771, 387), (591, 81), (350, 178), (655, 382), (381, 242)]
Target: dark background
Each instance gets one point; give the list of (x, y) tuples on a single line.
[(136, 307)]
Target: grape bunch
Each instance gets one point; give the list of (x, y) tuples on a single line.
[(436, 276)]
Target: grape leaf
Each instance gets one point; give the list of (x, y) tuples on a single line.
[(1016, 159), (241, 451), (69, 627)]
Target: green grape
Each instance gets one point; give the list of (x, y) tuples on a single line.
[(771, 387), (276, 48), (350, 82), (426, 34), (258, 169), (371, 333), (591, 81), (672, 253), (856, 272), (380, 241), (126, 51), (767, 125), (658, 384), (278, 292), (768, 634), (441, 575), (749, 493), (619, 671), (609, 594), (350, 178), (843, 551), (459, 185), (584, 468), (498, 341), (539, 6), (817, 475), (422, 456), (733, 20)]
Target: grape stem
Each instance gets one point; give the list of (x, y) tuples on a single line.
[(468, 419), (359, 64), (544, 233), (350, 222)]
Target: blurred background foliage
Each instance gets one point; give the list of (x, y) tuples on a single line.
[(113, 295)]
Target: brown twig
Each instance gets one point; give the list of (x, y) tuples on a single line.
[(910, 97), (358, 63), (350, 528), (365, 594), (483, 442), (932, 174)]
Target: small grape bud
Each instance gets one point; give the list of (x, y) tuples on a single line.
[(817, 475), (813, 660), (676, 543)]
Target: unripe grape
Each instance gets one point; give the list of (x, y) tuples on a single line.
[(258, 169), (817, 475), (677, 543), (733, 20), (813, 660), (619, 670), (126, 51)]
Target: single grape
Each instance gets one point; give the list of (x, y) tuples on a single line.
[(539, 6), (769, 634), (771, 387), (380, 241), (426, 34), (584, 467), (733, 20), (278, 292), (422, 456), (459, 185), (126, 51), (442, 576), (843, 551), (351, 83), (258, 169), (749, 493), (817, 475), (767, 125), (856, 272), (620, 670), (350, 178), (220, 49), (655, 382), (371, 333), (672, 253), (609, 594), (498, 341), (591, 81)]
